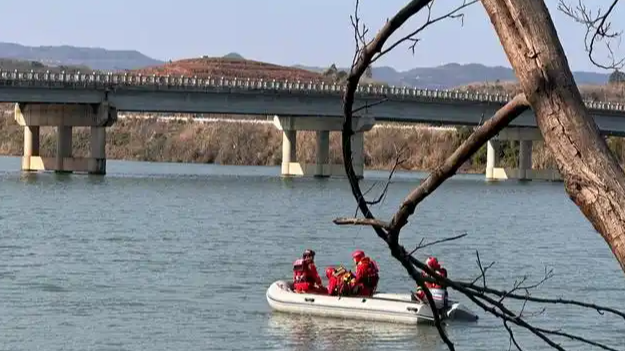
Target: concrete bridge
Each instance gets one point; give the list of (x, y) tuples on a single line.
[(93, 99)]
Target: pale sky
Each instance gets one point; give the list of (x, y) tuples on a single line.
[(283, 32)]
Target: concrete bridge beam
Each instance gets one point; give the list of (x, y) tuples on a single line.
[(64, 117)]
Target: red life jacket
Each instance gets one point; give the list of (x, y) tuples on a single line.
[(301, 273), (432, 285), (370, 277)]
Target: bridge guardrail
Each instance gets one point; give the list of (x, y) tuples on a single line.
[(224, 84)]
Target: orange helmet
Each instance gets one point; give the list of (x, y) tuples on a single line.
[(358, 255), (432, 262)]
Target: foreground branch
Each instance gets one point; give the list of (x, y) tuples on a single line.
[(365, 55), (593, 178), (478, 138), (490, 300)]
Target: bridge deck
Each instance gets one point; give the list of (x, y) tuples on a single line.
[(261, 97)]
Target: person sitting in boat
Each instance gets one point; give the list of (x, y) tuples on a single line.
[(305, 276), (366, 280), (339, 281), (438, 291)]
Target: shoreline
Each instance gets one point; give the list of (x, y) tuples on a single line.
[(258, 143), (225, 140)]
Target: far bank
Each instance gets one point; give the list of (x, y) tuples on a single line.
[(238, 143)]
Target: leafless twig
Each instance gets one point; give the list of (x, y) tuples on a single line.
[(421, 245), (598, 28), (366, 106), (453, 14)]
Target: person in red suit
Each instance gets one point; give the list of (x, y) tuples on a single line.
[(339, 281), (434, 265), (366, 280), (305, 276)]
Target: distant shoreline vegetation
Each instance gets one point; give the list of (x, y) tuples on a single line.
[(238, 143)]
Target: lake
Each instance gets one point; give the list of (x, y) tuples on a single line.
[(157, 256)]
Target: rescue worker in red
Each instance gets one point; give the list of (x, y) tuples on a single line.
[(366, 280), (434, 265), (305, 276), (339, 281)]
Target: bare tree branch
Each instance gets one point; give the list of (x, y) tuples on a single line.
[(399, 160), (366, 106), (421, 245), (598, 28), (428, 22), (479, 137), (361, 221), (489, 299)]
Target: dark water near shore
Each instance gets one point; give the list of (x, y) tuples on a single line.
[(178, 257)]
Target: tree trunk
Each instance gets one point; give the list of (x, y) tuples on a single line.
[(592, 176)]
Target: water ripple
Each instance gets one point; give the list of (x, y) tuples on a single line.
[(170, 256)]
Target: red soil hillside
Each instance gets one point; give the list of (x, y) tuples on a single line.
[(229, 67)]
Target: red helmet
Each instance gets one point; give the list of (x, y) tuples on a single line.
[(432, 262), (358, 255), (329, 272)]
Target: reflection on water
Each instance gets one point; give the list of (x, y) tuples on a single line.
[(303, 332)]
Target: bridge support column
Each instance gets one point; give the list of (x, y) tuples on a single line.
[(323, 126), (323, 154), (492, 158), (63, 148), (525, 160), (64, 117), (289, 151), (358, 150), (31, 146), (524, 171), (97, 162)]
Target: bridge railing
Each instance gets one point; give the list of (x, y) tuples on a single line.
[(115, 81)]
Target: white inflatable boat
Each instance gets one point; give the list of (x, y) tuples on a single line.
[(385, 307)]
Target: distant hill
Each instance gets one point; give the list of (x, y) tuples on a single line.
[(234, 55), (231, 66), (452, 75), (96, 58)]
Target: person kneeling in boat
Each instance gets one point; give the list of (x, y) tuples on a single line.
[(438, 291), (339, 281), (366, 280), (305, 276)]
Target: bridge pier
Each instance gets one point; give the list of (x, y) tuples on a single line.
[(64, 117), (322, 126), (524, 171), (323, 153)]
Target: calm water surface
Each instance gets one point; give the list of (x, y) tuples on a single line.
[(178, 257)]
